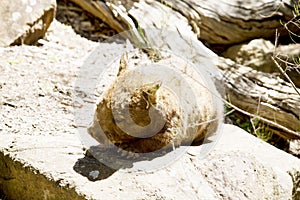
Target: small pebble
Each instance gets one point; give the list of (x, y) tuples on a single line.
[(94, 174)]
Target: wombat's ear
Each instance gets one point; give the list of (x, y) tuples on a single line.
[(123, 63)]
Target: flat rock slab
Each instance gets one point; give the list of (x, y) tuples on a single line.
[(26, 21), (47, 166), (41, 155)]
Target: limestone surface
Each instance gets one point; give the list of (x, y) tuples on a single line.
[(25, 21)]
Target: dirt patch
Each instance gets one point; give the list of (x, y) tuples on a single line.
[(83, 22)]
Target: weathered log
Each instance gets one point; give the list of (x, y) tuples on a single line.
[(263, 95), (271, 98), (230, 22), (259, 53), (100, 10), (221, 22)]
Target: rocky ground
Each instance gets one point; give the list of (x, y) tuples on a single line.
[(39, 141), (39, 144)]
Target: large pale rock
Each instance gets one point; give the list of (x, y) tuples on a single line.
[(256, 54), (249, 168), (224, 174), (25, 21)]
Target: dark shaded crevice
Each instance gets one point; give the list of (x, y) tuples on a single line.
[(92, 169), (82, 22)]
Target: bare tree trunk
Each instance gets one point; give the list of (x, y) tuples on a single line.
[(259, 94), (221, 22), (229, 22), (264, 96)]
